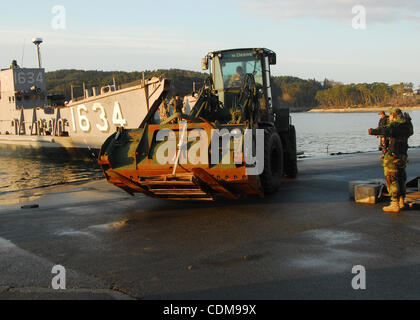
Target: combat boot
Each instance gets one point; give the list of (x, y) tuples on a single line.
[(393, 208), (402, 203)]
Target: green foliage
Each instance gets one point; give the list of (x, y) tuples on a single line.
[(291, 92), (60, 81), (295, 93), (365, 95)]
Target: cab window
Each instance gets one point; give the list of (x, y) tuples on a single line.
[(234, 70)]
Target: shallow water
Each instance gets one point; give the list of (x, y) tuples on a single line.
[(20, 175), (323, 134)]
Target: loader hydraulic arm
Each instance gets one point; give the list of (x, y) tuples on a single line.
[(246, 108)]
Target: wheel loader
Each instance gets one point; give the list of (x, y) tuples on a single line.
[(234, 142)]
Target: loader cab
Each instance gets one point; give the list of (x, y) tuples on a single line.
[(228, 68)]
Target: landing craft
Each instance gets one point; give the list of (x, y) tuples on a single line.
[(34, 122)]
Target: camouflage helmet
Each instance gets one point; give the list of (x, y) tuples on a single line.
[(396, 112)]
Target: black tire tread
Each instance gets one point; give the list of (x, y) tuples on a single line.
[(270, 182)]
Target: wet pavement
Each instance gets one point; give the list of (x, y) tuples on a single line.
[(301, 243)]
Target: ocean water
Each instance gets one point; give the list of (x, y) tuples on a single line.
[(318, 135), (26, 177), (323, 134)]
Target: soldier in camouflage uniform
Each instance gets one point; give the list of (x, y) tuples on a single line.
[(395, 158), (164, 111), (177, 104)]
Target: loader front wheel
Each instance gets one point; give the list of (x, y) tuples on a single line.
[(273, 163)]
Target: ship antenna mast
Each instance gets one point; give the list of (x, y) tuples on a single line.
[(37, 42), (23, 51)]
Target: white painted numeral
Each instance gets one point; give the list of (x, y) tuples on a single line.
[(31, 78), (21, 78), (83, 119), (117, 117), (105, 126), (39, 77)]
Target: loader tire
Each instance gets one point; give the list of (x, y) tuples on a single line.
[(273, 163), (290, 167)]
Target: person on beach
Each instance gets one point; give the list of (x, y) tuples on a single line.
[(395, 159)]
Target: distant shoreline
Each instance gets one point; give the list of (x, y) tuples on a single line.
[(361, 110)]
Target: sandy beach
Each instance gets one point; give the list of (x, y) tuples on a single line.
[(361, 110)]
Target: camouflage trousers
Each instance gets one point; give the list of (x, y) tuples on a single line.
[(396, 176), (164, 113)]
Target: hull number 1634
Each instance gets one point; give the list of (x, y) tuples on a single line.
[(100, 113)]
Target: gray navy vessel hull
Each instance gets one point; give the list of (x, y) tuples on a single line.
[(29, 127)]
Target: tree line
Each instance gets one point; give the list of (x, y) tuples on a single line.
[(291, 92), (60, 82), (367, 94)]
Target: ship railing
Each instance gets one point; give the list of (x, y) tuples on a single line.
[(140, 82)]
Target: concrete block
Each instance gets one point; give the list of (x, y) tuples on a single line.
[(367, 193), (352, 186)]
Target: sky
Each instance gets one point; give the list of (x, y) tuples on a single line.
[(315, 39)]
